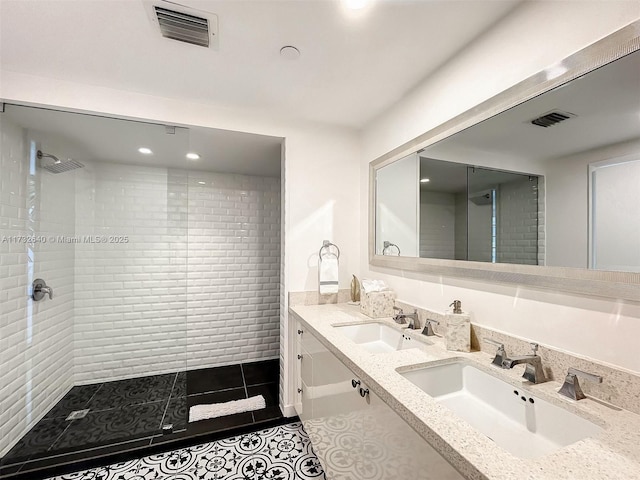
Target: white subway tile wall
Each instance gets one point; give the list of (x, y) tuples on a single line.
[(36, 339), (131, 291), (196, 281), (518, 222), (437, 225), (233, 269)]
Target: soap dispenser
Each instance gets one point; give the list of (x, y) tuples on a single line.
[(458, 329)]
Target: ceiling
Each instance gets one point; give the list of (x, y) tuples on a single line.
[(353, 66), (87, 138), (606, 105)]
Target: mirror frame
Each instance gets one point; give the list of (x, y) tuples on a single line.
[(610, 284)]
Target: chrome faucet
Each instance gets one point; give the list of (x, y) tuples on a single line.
[(401, 318), (501, 354), (571, 387), (428, 328), (533, 370)]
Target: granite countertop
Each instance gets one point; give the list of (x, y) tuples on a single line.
[(613, 453)]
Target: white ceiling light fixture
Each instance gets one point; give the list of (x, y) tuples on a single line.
[(425, 180), (145, 150), (289, 52), (193, 156)]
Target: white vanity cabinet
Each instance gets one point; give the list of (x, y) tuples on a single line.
[(355, 434)]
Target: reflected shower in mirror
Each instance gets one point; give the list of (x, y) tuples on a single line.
[(529, 185)]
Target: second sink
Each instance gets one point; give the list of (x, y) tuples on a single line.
[(377, 337), (522, 424)]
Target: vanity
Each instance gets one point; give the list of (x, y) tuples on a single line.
[(422, 412)]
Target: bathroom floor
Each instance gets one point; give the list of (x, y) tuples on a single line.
[(130, 414), (279, 453)]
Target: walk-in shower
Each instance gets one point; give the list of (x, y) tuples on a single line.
[(135, 286)]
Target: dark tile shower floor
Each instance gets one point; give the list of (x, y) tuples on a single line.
[(129, 414)]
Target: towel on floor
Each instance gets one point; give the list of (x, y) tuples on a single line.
[(213, 410), (328, 274)]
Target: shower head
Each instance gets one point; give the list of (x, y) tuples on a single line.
[(57, 166)]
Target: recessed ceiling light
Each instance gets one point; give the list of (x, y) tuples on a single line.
[(424, 180), (202, 183), (289, 52), (193, 156), (355, 4), (145, 151)]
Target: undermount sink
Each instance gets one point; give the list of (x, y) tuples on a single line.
[(520, 423), (377, 337)]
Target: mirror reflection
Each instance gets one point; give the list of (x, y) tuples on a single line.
[(553, 181)]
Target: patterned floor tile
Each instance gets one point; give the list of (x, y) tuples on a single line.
[(279, 453)]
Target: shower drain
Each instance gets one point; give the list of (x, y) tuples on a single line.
[(77, 414)]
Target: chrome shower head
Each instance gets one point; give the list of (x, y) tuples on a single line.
[(57, 166), (40, 155)]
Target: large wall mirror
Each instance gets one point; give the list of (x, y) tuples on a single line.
[(538, 186)]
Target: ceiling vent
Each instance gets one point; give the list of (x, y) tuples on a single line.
[(552, 118), (179, 22)]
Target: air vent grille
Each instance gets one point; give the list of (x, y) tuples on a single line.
[(183, 27), (552, 118)]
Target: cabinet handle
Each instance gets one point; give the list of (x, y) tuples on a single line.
[(364, 392), (354, 382), (299, 390), (299, 357), (300, 332)]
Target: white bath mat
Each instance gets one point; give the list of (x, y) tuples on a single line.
[(213, 410)]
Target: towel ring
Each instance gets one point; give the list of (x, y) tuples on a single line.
[(326, 244), (386, 245)]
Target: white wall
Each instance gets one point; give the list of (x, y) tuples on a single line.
[(602, 329), (566, 205), (36, 338), (397, 212)]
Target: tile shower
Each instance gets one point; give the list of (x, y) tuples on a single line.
[(188, 280)]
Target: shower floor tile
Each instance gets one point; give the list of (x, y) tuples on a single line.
[(77, 399), (132, 391), (270, 392), (214, 379), (106, 426), (37, 441), (282, 452), (129, 414), (266, 371)]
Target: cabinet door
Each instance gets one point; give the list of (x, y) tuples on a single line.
[(304, 380), (393, 450), (336, 427)]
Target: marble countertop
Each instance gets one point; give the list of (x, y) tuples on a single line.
[(614, 453)]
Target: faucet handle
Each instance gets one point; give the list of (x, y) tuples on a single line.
[(571, 387), (428, 328), (501, 354), (534, 348)]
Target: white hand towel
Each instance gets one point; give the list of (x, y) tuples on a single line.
[(328, 274), (213, 410)]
